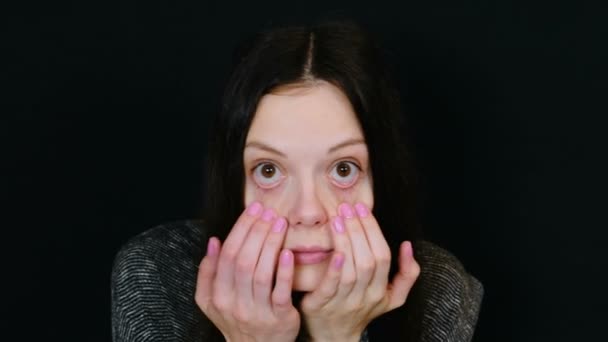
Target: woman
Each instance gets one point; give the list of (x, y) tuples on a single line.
[(310, 225)]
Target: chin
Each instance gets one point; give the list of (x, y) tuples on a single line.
[(308, 277)]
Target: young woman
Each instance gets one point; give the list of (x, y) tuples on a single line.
[(310, 230)]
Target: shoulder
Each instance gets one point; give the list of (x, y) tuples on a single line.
[(173, 238), (452, 296), (153, 282), (172, 247)]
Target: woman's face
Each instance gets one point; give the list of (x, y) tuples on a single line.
[(304, 155)]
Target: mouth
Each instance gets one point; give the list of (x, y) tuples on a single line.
[(310, 255)]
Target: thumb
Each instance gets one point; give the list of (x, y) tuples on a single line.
[(206, 274), (402, 283)]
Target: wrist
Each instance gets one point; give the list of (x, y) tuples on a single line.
[(254, 340), (351, 338)]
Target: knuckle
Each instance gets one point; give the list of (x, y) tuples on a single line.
[(283, 277), (274, 241), (198, 299), (242, 314), (220, 303), (414, 270), (260, 227), (280, 301), (327, 293), (244, 266), (349, 280), (376, 294), (262, 280), (384, 259), (272, 244), (367, 266), (245, 222), (402, 299), (230, 254)]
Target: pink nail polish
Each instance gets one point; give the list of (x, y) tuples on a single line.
[(338, 224), (285, 258), (338, 262), (361, 210), (279, 225), (346, 210), (268, 215), (211, 248), (254, 209), (409, 251)]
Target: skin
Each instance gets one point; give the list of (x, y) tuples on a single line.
[(308, 183), (303, 124)]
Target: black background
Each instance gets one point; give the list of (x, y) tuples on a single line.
[(106, 106)]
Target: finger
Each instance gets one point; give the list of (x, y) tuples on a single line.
[(206, 274), (247, 259), (365, 263), (264, 272), (328, 287), (232, 246), (281, 295), (405, 278), (378, 246), (342, 245), (241, 228)]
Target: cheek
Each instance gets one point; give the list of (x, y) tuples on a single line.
[(270, 198), (361, 192), (282, 195), (252, 193)]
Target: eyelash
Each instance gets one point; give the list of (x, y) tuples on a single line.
[(334, 165)]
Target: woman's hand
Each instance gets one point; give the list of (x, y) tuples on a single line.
[(235, 281), (355, 289)]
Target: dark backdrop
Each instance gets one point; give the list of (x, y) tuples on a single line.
[(107, 105)]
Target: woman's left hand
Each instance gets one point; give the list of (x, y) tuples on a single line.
[(355, 289)]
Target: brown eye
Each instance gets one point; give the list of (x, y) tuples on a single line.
[(268, 170), (343, 169), (345, 173), (267, 174)]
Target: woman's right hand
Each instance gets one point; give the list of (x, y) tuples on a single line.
[(235, 281)]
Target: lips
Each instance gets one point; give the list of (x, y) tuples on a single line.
[(310, 255)]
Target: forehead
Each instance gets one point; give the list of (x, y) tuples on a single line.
[(312, 114)]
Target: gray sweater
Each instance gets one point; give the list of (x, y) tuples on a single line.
[(154, 278)]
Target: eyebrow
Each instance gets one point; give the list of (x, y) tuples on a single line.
[(265, 147)]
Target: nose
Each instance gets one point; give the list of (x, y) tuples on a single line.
[(307, 209)]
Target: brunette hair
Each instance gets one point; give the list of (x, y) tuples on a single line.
[(345, 55)]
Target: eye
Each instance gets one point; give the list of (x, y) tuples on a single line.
[(267, 174), (345, 173)]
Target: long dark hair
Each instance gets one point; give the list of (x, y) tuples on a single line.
[(342, 53)]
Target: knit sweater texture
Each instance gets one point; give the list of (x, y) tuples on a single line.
[(154, 279)]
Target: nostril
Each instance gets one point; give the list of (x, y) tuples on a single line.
[(301, 223)]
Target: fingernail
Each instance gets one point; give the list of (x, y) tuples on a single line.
[(361, 210), (268, 215), (409, 250), (338, 262), (346, 210), (211, 248), (279, 225), (254, 209), (338, 224), (285, 258)]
